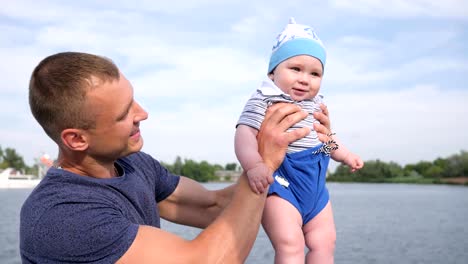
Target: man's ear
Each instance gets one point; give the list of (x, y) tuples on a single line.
[(74, 139)]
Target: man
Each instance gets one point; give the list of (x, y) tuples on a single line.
[(103, 201)]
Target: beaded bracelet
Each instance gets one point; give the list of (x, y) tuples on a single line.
[(328, 146)]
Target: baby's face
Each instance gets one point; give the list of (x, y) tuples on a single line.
[(299, 76)]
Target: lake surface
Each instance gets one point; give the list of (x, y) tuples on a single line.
[(376, 223)]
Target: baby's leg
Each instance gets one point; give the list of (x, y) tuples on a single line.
[(283, 225), (320, 236)]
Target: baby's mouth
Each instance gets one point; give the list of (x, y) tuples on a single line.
[(299, 90)]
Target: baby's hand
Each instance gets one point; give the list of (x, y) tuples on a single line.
[(354, 162), (259, 178)]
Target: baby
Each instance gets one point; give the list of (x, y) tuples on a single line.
[(298, 210)]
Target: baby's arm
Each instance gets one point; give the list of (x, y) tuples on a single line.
[(343, 155), (246, 148)]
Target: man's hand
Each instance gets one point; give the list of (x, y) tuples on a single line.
[(323, 128), (273, 140)]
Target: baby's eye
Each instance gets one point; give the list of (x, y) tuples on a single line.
[(315, 74), (295, 69)]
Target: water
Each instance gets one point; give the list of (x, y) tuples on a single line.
[(376, 223), (11, 200)]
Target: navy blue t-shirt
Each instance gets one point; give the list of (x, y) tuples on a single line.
[(70, 218)]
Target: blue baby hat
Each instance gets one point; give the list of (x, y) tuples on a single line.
[(294, 40)]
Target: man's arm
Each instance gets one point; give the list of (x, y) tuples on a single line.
[(231, 236), (193, 205)]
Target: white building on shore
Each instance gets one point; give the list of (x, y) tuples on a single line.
[(11, 178), (228, 175)]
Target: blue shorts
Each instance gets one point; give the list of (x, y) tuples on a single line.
[(300, 180)]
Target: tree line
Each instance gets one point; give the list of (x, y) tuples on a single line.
[(437, 171), (199, 171)]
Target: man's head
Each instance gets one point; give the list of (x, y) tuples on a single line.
[(296, 40), (58, 88)]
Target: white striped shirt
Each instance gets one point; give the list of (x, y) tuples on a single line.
[(254, 113)]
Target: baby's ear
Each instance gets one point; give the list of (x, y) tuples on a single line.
[(271, 75)]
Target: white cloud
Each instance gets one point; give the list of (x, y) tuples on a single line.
[(16, 68), (430, 66), (195, 131), (253, 24), (34, 10), (358, 60), (56, 10), (403, 8), (193, 73), (406, 126)]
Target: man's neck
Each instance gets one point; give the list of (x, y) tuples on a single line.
[(87, 166)]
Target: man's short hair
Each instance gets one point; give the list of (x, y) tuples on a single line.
[(58, 88)]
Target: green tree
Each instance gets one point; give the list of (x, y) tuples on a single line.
[(373, 171), (11, 159), (177, 168), (218, 167), (168, 166), (455, 165), (434, 172), (190, 169), (1, 153), (231, 166), (206, 172), (442, 164), (393, 170), (420, 167)]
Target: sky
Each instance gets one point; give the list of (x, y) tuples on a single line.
[(396, 79)]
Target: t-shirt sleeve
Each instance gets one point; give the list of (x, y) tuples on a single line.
[(253, 113), (164, 181)]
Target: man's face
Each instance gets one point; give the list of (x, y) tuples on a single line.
[(117, 115)]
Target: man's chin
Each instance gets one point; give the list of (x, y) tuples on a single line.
[(134, 148)]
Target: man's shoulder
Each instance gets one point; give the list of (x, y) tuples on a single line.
[(57, 187), (55, 190)]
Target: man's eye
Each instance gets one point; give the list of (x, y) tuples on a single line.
[(122, 117)]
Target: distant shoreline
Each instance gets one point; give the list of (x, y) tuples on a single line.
[(462, 181), (456, 180)]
